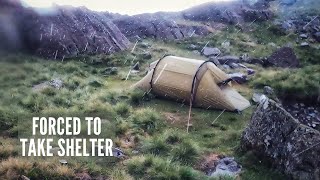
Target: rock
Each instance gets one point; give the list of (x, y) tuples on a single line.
[(303, 36), (196, 52), (272, 44), (274, 135), (63, 161), (193, 47), (117, 152), (250, 71), (238, 77), (146, 55), (268, 90), (209, 51), (226, 44), (283, 57), (234, 65), (304, 44), (226, 167), (258, 98), (66, 32), (23, 177), (56, 83), (317, 36), (110, 71), (136, 66), (226, 66)]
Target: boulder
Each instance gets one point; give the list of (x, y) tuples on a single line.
[(238, 77), (210, 51), (64, 32), (317, 36), (283, 57), (274, 135), (304, 44), (303, 36)]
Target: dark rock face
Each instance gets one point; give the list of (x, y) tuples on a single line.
[(65, 32), (291, 146), (283, 57), (158, 27)]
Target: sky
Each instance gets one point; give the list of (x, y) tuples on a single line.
[(123, 6)]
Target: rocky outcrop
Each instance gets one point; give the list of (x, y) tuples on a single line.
[(63, 32), (280, 138), (158, 26)]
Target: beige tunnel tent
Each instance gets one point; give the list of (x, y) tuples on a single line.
[(189, 80)]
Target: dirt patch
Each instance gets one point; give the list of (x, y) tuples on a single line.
[(175, 119)]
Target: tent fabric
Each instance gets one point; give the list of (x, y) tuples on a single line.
[(185, 80)]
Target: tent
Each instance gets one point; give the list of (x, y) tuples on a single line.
[(200, 83)]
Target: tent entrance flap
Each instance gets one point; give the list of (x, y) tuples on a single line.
[(186, 79)]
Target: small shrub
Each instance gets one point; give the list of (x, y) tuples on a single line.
[(122, 109), (34, 102), (156, 145), (49, 91), (186, 153), (147, 119), (136, 97), (152, 167)]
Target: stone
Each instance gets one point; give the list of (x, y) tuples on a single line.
[(224, 66), (209, 51), (250, 71), (304, 44), (193, 47), (303, 36), (56, 83), (136, 66), (317, 36), (146, 55), (258, 97), (274, 135), (283, 57), (117, 152), (234, 65), (63, 161), (268, 90), (196, 52), (226, 166), (238, 77), (226, 44)]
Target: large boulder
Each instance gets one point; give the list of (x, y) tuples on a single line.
[(283, 57), (63, 32), (273, 134)]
